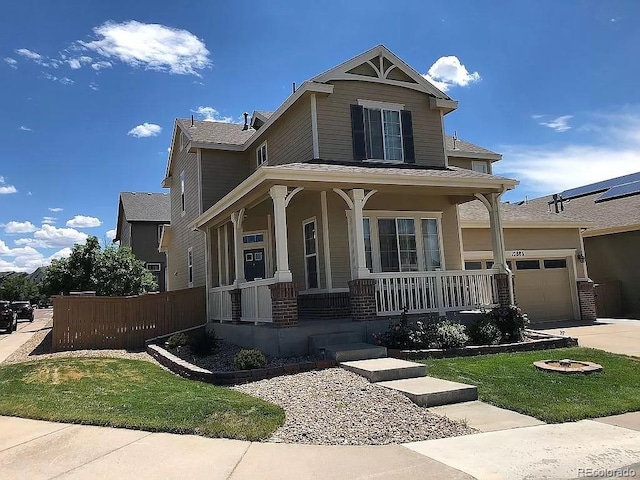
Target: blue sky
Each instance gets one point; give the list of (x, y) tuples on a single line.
[(90, 91)]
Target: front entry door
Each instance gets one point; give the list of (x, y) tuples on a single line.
[(254, 266)]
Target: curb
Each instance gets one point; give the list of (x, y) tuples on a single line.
[(188, 370)]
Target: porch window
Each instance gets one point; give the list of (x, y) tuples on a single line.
[(190, 266), (431, 243), (398, 249), (310, 253)]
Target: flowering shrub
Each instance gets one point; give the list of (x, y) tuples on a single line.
[(484, 332), (511, 322), (435, 334)]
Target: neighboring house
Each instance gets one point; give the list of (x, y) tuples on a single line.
[(611, 242), (341, 204), (141, 218)]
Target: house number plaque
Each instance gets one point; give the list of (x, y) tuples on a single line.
[(518, 253)]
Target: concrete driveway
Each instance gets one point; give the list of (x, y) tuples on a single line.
[(9, 343), (610, 335)]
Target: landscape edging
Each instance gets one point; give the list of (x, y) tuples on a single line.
[(546, 342), (188, 370)]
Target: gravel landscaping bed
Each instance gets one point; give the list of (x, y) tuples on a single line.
[(222, 358), (336, 407), (38, 347)]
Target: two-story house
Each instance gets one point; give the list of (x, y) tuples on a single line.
[(341, 204), (141, 218)]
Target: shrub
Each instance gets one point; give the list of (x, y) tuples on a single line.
[(447, 334), (484, 332), (178, 340), (511, 322), (398, 335), (249, 359), (203, 343)]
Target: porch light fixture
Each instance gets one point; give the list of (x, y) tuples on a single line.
[(580, 256)]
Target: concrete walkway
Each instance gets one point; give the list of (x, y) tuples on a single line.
[(611, 335), (45, 450), (9, 343), (485, 417)]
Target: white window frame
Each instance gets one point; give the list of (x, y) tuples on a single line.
[(190, 267), (477, 163), (374, 215), (391, 107), (265, 155), (160, 230), (316, 255), (255, 245), (154, 267), (183, 195)]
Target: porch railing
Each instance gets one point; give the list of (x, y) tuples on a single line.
[(256, 301), (439, 291), (220, 302)]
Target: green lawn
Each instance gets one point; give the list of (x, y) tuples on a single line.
[(511, 381), (131, 394)]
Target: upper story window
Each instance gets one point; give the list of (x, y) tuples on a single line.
[(382, 132), (261, 154), (481, 167), (183, 140), (182, 195)]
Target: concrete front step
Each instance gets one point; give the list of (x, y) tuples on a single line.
[(354, 351), (431, 392), (318, 343), (386, 369)]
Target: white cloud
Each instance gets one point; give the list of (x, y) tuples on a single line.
[(6, 189), (94, 86), (49, 220), (29, 54), (83, 221), (39, 59), (49, 236), (19, 227), (559, 124), (111, 234), (611, 149), (74, 63), (448, 71), (55, 209), (210, 114), (100, 65), (145, 130), (26, 259), (12, 62), (150, 46), (66, 81), (25, 129)]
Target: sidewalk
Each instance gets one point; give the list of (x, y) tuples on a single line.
[(45, 450), (9, 343)]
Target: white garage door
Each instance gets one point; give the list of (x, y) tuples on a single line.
[(543, 289)]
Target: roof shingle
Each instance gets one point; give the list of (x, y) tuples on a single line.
[(146, 207), (215, 132)]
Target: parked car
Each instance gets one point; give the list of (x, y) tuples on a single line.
[(23, 310), (8, 318)]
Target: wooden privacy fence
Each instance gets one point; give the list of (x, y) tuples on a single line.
[(124, 322)]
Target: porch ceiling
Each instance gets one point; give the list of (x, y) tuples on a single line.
[(457, 183)]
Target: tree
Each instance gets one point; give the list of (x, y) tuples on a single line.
[(18, 287), (109, 272)]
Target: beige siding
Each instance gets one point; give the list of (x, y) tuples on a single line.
[(183, 237), (467, 163), (289, 139), (221, 172), (479, 239), (334, 120), (338, 241)]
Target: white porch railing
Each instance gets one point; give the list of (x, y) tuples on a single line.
[(256, 300), (220, 302), (439, 291)]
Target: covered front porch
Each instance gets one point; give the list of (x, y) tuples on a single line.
[(317, 243)]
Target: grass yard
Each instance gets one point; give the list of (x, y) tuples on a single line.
[(131, 394), (511, 381)]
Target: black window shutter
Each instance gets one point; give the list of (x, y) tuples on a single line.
[(357, 131), (407, 137)]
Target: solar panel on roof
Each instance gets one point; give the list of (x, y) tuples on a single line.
[(600, 186), (619, 191)]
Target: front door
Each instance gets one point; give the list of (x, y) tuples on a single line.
[(254, 266)]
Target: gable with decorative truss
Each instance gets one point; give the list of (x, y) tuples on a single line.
[(380, 65)]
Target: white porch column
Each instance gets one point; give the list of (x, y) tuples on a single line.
[(236, 220), (358, 198), (279, 195)]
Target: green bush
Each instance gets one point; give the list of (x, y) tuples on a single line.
[(178, 340), (398, 335), (511, 322), (249, 359), (484, 332), (447, 334), (203, 343)]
